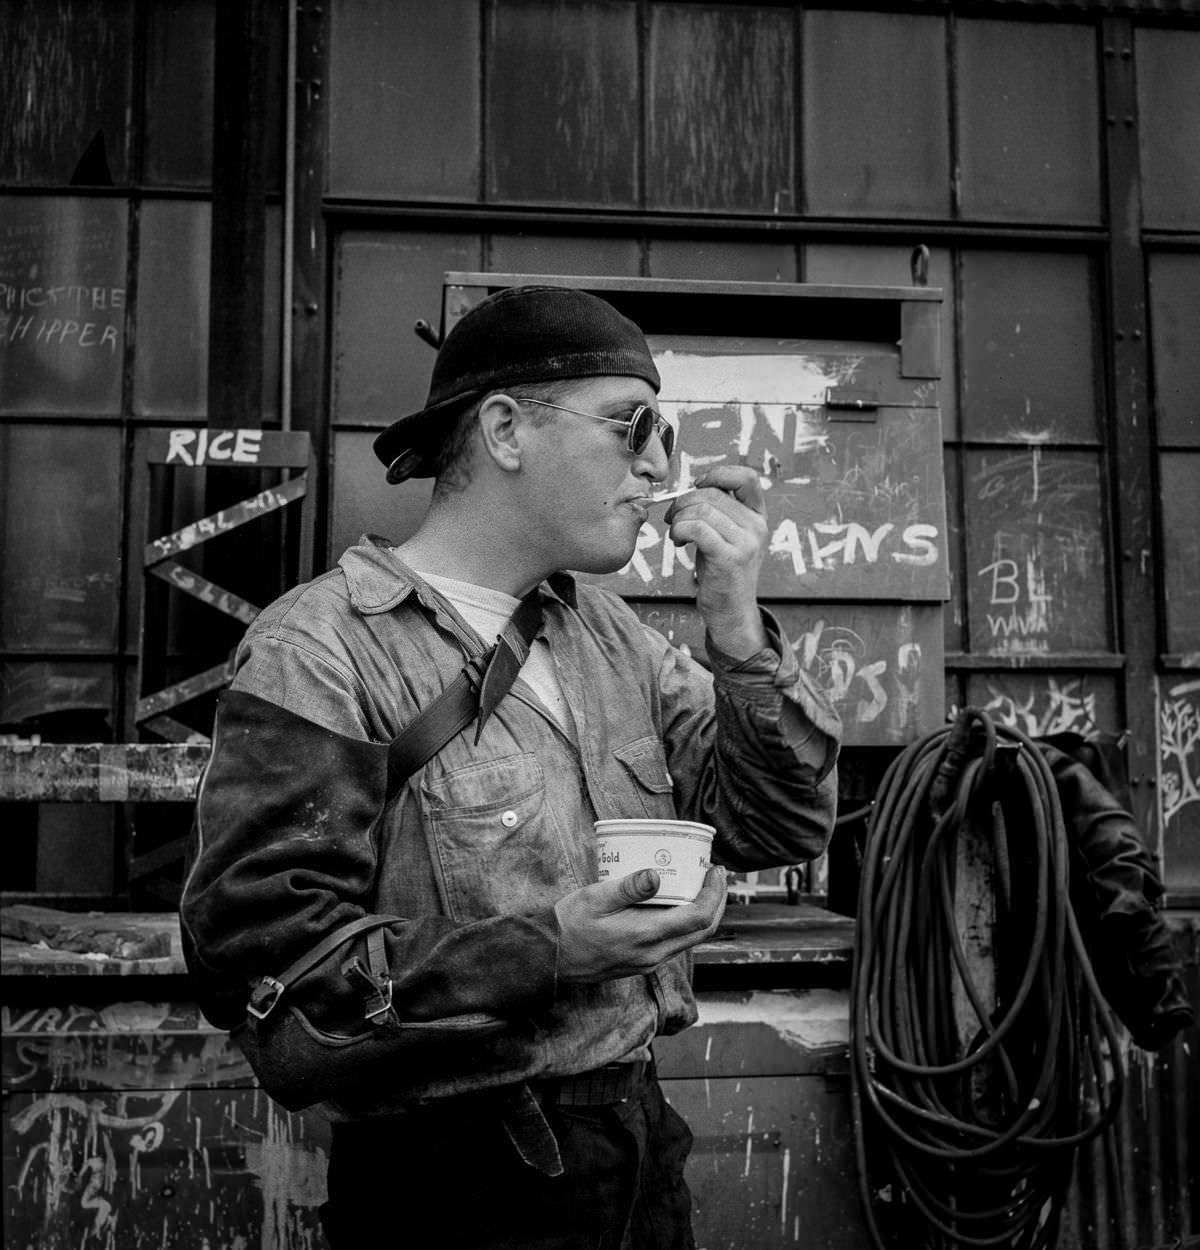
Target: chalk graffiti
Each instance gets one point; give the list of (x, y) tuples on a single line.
[(91, 1168), (838, 660), (1023, 592), (1179, 748), (823, 546), (1051, 709)]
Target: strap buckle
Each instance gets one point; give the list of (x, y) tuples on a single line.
[(380, 1003), (264, 998)]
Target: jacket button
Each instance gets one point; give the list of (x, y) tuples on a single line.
[(509, 819)]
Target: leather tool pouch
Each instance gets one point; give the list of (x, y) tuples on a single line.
[(299, 1062)]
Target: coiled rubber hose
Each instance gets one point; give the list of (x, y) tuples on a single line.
[(975, 1137)]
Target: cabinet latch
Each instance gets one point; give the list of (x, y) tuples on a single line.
[(851, 404)]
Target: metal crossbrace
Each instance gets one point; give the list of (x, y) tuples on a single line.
[(208, 449), (213, 449)]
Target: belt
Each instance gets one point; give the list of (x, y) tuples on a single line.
[(520, 1109), (615, 1082)]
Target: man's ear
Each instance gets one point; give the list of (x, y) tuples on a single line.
[(501, 426)]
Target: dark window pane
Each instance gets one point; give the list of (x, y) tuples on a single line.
[(721, 116), (564, 254), (60, 500), (1180, 483), (1175, 339), (171, 363), (363, 502), (1029, 126), (1037, 578), (1028, 348), (383, 283), (876, 130), (64, 107), (1168, 81), (62, 305), (865, 264), (562, 102), (179, 93), (715, 260), (1041, 704), (404, 99)]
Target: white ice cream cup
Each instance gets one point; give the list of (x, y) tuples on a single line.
[(678, 850)]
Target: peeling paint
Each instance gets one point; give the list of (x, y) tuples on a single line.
[(811, 1020)]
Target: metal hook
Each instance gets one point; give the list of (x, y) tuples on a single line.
[(918, 264), (423, 330)]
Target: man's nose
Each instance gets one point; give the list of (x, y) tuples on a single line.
[(651, 462)]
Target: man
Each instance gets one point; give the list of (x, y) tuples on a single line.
[(547, 1128)]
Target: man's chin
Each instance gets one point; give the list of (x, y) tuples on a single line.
[(601, 563)]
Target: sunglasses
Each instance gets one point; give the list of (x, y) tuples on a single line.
[(642, 424)]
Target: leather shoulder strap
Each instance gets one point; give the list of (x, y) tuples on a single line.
[(458, 705)]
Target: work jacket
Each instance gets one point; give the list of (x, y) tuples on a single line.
[(293, 837)]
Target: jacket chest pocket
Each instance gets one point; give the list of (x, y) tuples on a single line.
[(496, 845), (647, 788)]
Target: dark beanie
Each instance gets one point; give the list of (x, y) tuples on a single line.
[(520, 334)]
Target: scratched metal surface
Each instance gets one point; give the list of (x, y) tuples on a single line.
[(136, 1125)]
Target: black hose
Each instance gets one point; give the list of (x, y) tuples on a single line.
[(976, 1138)]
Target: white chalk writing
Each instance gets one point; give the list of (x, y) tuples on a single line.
[(196, 446), (1053, 709), (1179, 748)]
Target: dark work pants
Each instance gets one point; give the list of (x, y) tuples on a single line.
[(448, 1177)]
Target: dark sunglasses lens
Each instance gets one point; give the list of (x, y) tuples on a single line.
[(668, 437), (641, 430)]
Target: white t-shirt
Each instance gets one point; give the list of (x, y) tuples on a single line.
[(487, 612)]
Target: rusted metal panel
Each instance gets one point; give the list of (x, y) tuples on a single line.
[(170, 366), (162, 1168), (720, 108), (887, 541), (67, 71), (772, 1163), (1174, 286), (880, 664), (404, 115), (874, 145), (61, 491), (1030, 348), (62, 304), (1167, 67), (1037, 572), (720, 258), (562, 103), (380, 367), (179, 93), (1028, 121), (1179, 490), (123, 772)]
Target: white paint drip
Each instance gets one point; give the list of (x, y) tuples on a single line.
[(809, 1019)]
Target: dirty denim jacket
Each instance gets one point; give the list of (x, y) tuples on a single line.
[(293, 840)]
